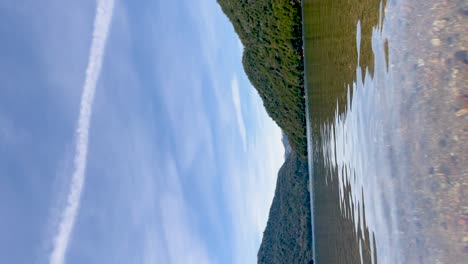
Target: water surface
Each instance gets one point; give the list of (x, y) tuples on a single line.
[(386, 131)]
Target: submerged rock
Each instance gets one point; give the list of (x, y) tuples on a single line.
[(462, 55)]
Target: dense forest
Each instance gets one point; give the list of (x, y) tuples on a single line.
[(271, 32), (288, 234)]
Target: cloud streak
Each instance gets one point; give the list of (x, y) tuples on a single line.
[(239, 116), (102, 23)]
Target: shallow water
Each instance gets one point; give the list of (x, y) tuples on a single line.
[(386, 93)]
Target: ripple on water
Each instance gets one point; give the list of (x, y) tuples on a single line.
[(360, 145)]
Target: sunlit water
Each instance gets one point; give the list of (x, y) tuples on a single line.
[(386, 185), (358, 145)]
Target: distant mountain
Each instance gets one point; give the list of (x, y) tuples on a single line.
[(271, 32), (287, 147), (288, 234)]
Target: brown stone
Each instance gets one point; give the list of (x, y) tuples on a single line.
[(462, 112)]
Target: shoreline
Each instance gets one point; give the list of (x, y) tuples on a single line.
[(310, 158)]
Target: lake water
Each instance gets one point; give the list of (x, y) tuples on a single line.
[(387, 99)]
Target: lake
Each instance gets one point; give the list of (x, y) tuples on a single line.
[(387, 115)]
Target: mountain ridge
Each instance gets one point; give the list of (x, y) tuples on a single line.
[(271, 33)]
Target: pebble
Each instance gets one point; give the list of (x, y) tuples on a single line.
[(461, 221), (420, 62), (462, 55), (438, 25), (465, 210), (464, 11), (465, 239), (462, 112), (435, 42)]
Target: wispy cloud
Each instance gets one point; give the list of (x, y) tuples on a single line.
[(237, 106), (251, 182), (241, 47), (67, 219), (183, 244)]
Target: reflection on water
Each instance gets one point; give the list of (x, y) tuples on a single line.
[(339, 60), (331, 51), (373, 201), (358, 146)]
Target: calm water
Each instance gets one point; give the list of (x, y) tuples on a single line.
[(387, 96)]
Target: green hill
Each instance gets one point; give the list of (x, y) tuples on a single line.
[(271, 32), (288, 234)]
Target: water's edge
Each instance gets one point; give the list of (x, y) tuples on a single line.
[(309, 137)]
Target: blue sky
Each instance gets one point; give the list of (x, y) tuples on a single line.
[(181, 158)]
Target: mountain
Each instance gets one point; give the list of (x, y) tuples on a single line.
[(288, 234), (287, 147), (271, 32)]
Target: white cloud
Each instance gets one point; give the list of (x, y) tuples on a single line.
[(182, 244), (67, 219), (241, 47), (237, 106)]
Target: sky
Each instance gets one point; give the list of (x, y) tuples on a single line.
[(129, 133)]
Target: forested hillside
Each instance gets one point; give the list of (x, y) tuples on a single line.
[(271, 32), (288, 234)]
